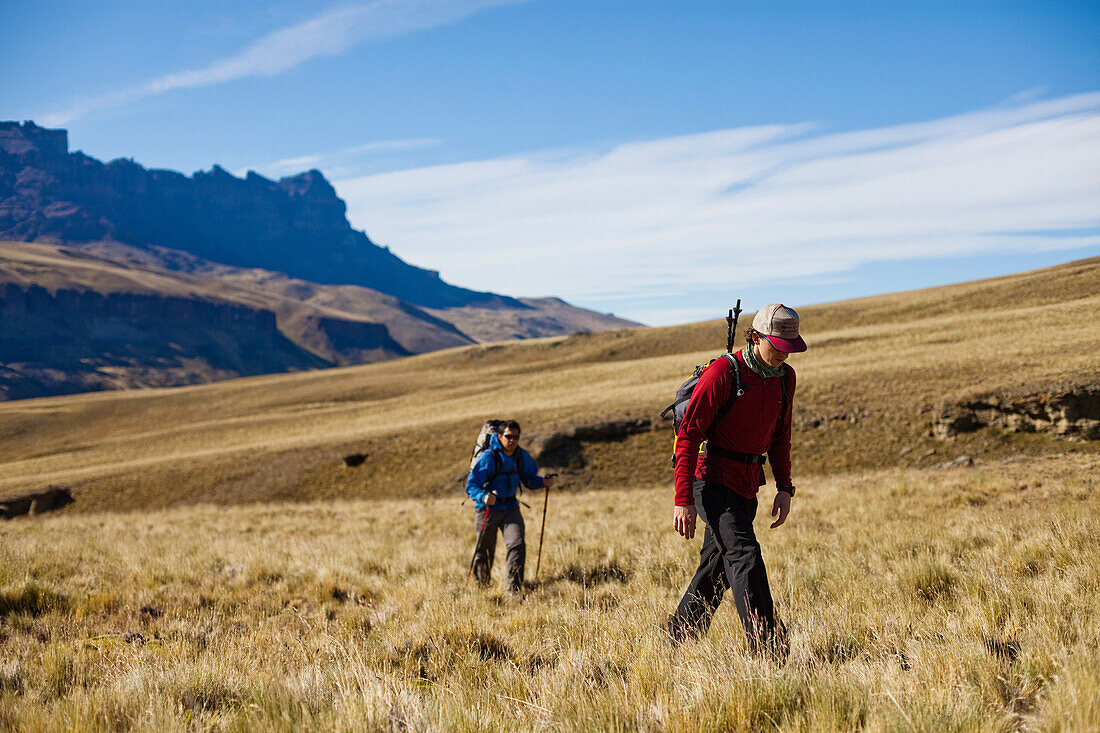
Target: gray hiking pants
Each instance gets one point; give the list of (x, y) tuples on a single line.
[(509, 523)]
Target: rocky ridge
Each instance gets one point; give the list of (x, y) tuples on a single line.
[(296, 225), (118, 276)]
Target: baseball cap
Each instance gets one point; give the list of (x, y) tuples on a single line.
[(780, 324)]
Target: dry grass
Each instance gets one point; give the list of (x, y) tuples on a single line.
[(253, 582), (917, 601)]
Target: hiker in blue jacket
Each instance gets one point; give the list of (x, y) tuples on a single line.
[(493, 483)]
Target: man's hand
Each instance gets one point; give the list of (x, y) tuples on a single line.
[(490, 498), (782, 507), (683, 519), (548, 480)]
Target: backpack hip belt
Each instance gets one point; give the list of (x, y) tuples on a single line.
[(753, 459)]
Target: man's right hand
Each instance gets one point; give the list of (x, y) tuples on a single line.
[(490, 499), (683, 519)]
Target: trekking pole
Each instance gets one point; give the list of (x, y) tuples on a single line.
[(480, 534), (731, 326), (542, 530)]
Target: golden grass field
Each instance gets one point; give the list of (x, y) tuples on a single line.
[(222, 569)]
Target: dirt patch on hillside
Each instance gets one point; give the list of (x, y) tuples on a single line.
[(566, 448)]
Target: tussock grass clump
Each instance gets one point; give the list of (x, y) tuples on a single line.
[(31, 598), (11, 677), (906, 610), (609, 572), (931, 581)]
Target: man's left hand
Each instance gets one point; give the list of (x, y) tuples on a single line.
[(548, 481), (781, 506)]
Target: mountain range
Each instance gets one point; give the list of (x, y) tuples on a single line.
[(117, 276)]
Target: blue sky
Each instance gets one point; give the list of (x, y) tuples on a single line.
[(652, 159)]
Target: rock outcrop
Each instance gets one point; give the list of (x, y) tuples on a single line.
[(1068, 410)]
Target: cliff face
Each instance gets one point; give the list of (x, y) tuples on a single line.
[(78, 340), (121, 277), (296, 225)]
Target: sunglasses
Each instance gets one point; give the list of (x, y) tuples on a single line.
[(510, 436)]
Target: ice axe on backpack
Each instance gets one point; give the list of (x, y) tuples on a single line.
[(731, 326), (542, 530)]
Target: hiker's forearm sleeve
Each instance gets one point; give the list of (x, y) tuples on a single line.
[(530, 472)]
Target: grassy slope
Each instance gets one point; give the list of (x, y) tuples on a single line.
[(916, 599), (875, 368), (933, 601)]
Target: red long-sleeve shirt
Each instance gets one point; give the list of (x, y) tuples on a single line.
[(749, 427)]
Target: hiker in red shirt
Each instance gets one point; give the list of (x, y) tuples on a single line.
[(720, 484)]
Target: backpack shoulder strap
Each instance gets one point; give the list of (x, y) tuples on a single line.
[(736, 390), (785, 385), (498, 466)]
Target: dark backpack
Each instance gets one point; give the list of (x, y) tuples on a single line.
[(683, 397), (489, 429)]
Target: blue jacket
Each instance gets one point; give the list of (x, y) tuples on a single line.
[(520, 466)]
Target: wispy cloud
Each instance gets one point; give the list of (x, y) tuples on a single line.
[(728, 208), (337, 159), (328, 34)]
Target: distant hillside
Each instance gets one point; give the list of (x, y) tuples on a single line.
[(145, 278), (76, 320)]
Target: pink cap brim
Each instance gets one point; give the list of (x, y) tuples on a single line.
[(789, 346)]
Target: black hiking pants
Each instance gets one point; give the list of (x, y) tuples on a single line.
[(730, 558), (509, 523)]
